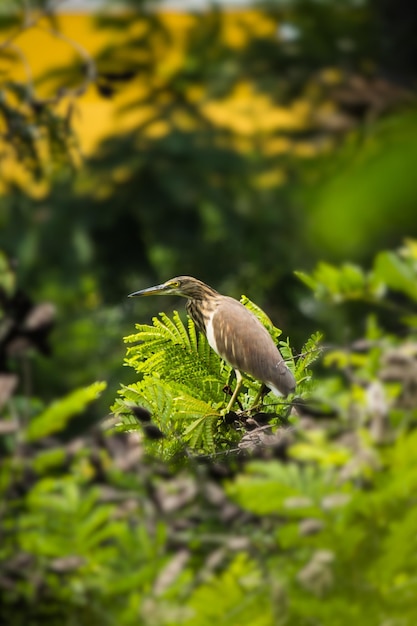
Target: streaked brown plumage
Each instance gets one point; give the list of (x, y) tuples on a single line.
[(233, 332)]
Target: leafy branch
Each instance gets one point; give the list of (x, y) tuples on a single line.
[(33, 126), (184, 384), (394, 272)]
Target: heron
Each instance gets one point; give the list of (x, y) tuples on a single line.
[(232, 331)]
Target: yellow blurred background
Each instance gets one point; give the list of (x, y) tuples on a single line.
[(252, 116)]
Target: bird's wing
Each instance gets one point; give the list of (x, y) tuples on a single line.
[(246, 345)]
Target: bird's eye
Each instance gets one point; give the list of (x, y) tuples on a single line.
[(175, 284)]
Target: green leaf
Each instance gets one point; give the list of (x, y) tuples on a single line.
[(307, 280), (57, 416), (275, 488), (397, 274), (352, 280), (235, 596)]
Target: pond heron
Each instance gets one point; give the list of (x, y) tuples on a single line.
[(232, 331)]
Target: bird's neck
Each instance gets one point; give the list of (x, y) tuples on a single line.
[(201, 310)]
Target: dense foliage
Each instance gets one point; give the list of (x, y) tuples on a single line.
[(312, 520)]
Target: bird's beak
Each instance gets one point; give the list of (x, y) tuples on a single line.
[(150, 291)]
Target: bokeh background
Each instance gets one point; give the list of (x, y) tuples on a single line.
[(238, 142)]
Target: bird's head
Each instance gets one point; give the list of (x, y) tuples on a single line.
[(185, 286)]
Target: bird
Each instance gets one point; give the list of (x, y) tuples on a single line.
[(232, 331)]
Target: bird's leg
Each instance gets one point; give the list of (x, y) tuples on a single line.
[(263, 389), (236, 391)]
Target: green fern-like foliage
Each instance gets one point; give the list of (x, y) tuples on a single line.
[(310, 353), (57, 416), (182, 382), (236, 596), (178, 353)]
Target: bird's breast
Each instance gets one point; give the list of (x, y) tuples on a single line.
[(225, 337), (210, 333)]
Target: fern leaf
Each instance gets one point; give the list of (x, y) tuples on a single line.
[(152, 394), (234, 596), (201, 432), (310, 352), (183, 332), (56, 417), (175, 327), (193, 334), (287, 354)]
